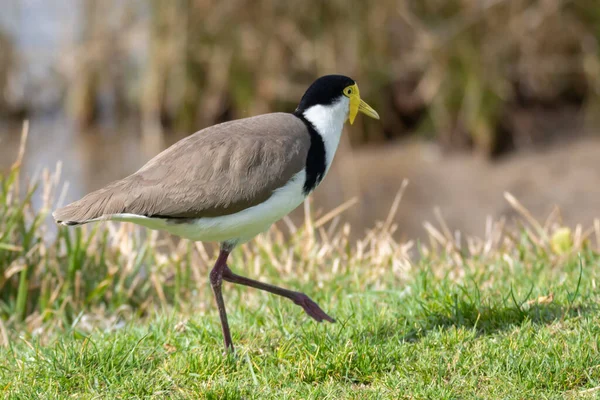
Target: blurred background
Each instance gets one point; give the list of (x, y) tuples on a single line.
[(477, 97)]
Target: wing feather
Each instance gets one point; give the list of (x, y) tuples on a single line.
[(219, 170)]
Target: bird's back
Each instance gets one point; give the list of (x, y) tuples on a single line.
[(217, 171)]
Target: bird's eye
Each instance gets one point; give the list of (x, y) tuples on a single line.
[(348, 91)]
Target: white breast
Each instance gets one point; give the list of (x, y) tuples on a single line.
[(241, 226)]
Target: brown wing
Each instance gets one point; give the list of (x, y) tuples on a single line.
[(219, 170)]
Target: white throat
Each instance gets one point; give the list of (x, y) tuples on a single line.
[(329, 123)]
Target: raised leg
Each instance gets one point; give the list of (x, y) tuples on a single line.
[(216, 280), (309, 306)]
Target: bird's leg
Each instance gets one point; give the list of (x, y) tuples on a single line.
[(300, 299), (216, 280)]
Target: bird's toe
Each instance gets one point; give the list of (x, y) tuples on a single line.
[(312, 308)]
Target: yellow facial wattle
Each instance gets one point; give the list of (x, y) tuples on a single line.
[(357, 104)]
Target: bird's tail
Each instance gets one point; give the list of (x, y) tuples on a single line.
[(93, 207)]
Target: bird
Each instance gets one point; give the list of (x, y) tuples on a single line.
[(231, 181)]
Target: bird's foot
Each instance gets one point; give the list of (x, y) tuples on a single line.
[(230, 351), (311, 308)]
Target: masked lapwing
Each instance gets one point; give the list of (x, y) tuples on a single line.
[(231, 181)]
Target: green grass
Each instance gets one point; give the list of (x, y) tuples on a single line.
[(111, 312), (493, 333)]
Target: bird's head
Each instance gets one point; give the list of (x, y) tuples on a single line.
[(337, 94)]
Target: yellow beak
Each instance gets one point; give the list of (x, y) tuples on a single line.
[(367, 110), (357, 104)]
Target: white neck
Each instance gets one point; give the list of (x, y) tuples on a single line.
[(329, 123)]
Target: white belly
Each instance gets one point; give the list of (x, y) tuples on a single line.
[(241, 226)]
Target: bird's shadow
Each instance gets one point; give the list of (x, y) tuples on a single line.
[(483, 320)]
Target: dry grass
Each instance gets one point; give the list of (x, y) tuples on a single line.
[(54, 279)]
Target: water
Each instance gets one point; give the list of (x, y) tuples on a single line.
[(466, 188)]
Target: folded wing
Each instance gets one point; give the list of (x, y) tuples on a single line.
[(217, 171)]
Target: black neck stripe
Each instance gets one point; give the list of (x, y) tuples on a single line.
[(315, 160)]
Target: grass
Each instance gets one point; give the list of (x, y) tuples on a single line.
[(497, 333), (111, 312)]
